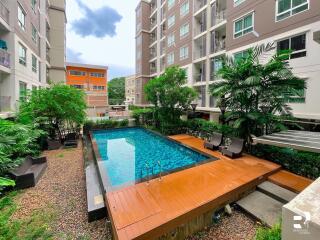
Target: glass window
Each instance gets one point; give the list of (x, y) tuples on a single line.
[(184, 53), (33, 4), (78, 86), (171, 21), (171, 40), (243, 25), (97, 75), (297, 44), (184, 9), (237, 2), (22, 91), (22, 55), (287, 8), (34, 64), (77, 73), (241, 55), (21, 18), (34, 34), (98, 88), (170, 3), (170, 59), (184, 30)]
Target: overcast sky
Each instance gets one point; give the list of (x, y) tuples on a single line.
[(102, 32)]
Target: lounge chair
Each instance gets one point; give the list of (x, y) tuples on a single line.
[(235, 149), (71, 140), (215, 141), (29, 172)]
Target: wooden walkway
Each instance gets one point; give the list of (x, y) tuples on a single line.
[(146, 211)]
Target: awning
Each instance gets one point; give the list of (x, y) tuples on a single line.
[(300, 140)]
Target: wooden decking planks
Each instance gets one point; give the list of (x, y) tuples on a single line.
[(290, 181), (145, 211)]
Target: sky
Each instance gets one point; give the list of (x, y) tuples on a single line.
[(102, 32)]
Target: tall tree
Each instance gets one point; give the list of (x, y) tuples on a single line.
[(256, 94), (169, 96), (116, 91)]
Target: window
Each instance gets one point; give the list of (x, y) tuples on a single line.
[(171, 21), (240, 55), (184, 30), (184, 53), (22, 91), (297, 44), (33, 4), (184, 9), (22, 55), (97, 75), (287, 8), (34, 63), (171, 40), (98, 88), (78, 86), (170, 3), (170, 59), (77, 73), (21, 18), (237, 2), (243, 26), (34, 34)]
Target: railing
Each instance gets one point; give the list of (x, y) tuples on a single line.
[(153, 70), (200, 77), (4, 13), (4, 103), (200, 52), (198, 4), (220, 16), (220, 45), (4, 58)]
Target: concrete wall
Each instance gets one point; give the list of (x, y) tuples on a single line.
[(301, 216)]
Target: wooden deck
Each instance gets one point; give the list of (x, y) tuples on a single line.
[(146, 211), (290, 181)]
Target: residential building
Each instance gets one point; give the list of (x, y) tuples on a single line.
[(196, 34), (32, 48), (92, 79), (130, 89)]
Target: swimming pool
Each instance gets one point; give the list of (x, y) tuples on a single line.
[(131, 155)]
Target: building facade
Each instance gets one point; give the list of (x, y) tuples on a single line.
[(130, 89), (92, 79), (195, 34), (32, 52)]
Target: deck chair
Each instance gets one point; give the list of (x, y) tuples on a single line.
[(215, 141), (235, 149)]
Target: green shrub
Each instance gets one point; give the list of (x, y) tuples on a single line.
[(143, 116), (124, 123), (302, 163), (273, 233), (16, 142)]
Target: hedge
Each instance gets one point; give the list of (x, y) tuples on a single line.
[(302, 163), (103, 124)]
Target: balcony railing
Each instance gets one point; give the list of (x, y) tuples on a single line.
[(4, 58), (219, 45), (218, 17), (5, 103), (198, 4), (4, 13), (200, 77)]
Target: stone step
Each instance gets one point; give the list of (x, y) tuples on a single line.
[(263, 207), (95, 201), (279, 193)]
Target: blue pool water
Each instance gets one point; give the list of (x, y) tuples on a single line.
[(125, 153)]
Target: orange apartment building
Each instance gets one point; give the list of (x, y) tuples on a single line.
[(93, 80)]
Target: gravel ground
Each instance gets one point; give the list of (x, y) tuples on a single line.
[(62, 188), (238, 226)]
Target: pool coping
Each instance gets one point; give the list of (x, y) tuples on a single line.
[(104, 178)]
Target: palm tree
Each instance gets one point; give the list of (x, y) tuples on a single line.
[(257, 94)]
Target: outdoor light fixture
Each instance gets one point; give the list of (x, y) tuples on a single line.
[(194, 107)]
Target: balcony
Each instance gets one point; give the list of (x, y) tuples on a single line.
[(4, 13), (218, 40), (215, 66), (153, 53), (153, 37), (200, 47), (153, 5), (153, 22), (202, 95), (153, 68), (4, 58), (200, 23), (199, 72), (5, 103), (198, 4), (218, 12)]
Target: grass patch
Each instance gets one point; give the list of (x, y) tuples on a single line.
[(36, 226), (273, 233), (61, 155)]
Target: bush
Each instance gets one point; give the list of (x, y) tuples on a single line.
[(124, 123), (273, 233), (302, 163), (103, 124), (16, 142)]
